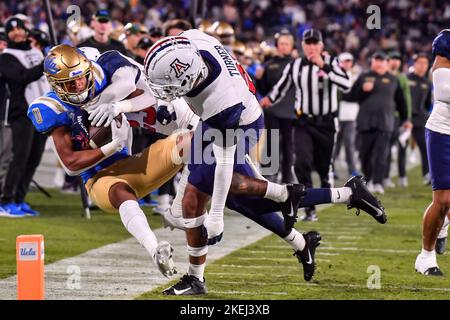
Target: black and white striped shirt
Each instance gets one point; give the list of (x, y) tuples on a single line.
[(316, 90)]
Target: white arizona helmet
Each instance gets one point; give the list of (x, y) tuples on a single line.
[(90, 52), (173, 66)]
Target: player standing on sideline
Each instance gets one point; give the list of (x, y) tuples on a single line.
[(438, 149)]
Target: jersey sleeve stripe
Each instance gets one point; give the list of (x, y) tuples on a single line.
[(52, 104)]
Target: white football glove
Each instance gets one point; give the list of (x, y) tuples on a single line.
[(214, 227), (102, 114), (120, 136)]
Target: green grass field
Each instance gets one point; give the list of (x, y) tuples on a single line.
[(66, 232), (350, 244), (267, 269)]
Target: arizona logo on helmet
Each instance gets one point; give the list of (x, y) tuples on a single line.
[(179, 67)]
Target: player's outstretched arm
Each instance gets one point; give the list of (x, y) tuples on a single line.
[(222, 181)]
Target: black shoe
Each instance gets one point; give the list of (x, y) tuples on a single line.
[(306, 256), (435, 271), (361, 198), (296, 192), (440, 245), (310, 215), (187, 286)]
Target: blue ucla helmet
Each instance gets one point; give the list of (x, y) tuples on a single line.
[(441, 44)]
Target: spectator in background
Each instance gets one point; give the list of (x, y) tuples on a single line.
[(224, 32), (379, 95), (420, 86), (5, 130), (133, 32), (395, 63), (101, 40), (175, 26), (141, 48), (40, 40), (22, 69), (155, 34), (281, 115), (347, 117), (3, 40)]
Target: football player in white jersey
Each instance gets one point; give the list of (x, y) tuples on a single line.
[(197, 67), (437, 136)]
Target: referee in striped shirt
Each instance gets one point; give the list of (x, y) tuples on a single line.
[(317, 77)]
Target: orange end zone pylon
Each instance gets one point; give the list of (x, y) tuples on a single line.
[(30, 267)]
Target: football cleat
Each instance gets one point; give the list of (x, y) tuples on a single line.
[(427, 265), (163, 259), (362, 199), (25, 207), (187, 286), (441, 243), (306, 256), (435, 271), (296, 192)]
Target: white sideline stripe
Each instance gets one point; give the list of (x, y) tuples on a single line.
[(247, 292), (334, 285), (262, 251), (369, 249), (274, 259), (124, 270)]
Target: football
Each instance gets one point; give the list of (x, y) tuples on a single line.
[(99, 136)]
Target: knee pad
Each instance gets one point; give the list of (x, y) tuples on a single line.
[(191, 223), (197, 252)]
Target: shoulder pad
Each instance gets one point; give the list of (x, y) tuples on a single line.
[(47, 113)]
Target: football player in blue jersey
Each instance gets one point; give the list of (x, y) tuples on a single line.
[(114, 179), (437, 135)]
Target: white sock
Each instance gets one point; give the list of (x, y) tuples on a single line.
[(135, 221), (276, 192), (197, 270), (428, 254), (296, 240), (340, 195)]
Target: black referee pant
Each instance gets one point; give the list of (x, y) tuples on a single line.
[(373, 154), (287, 143), (27, 147), (314, 141)]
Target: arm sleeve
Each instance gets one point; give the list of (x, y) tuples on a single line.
[(12, 69), (140, 102), (283, 85), (223, 175), (441, 84), (123, 76), (400, 102), (337, 75)]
